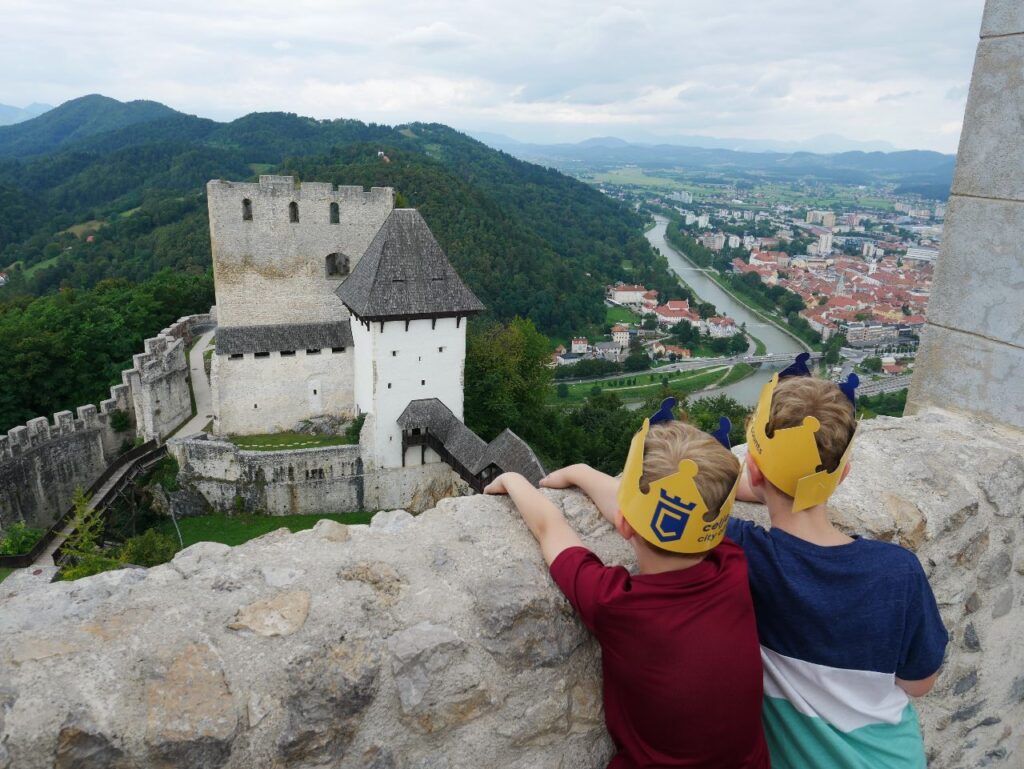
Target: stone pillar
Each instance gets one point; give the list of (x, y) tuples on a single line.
[(972, 351)]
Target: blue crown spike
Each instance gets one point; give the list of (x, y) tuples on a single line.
[(798, 367), (664, 414), (722, 433), (849, 387)]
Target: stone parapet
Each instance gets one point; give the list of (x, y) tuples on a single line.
[(440, 640)]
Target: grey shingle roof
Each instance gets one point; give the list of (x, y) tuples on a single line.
[(233, 340), (508, 452), (405, 274)]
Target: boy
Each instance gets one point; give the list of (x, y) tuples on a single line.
[(848, 626), (682, 673)]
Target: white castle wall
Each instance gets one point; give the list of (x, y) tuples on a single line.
[(407, 361), (41, 464), (270, 270), (253, 396)]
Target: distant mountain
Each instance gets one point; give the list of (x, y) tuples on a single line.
[(910, 167), (75, 120), (10, 115)]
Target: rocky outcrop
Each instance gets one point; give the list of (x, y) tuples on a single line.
[(440, 641)]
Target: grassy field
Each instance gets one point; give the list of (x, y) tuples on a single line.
[(5, 573), (280, 441), (633, 175), (651, 384), (759, 348), (78, 230), (236, 529), (736, 373), (619, 315)]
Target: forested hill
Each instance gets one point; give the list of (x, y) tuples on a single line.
[(97, 190), (121, 195)]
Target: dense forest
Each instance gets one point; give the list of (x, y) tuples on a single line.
[(98, 196)]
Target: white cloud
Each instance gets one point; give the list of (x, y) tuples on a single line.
[(538, 70)]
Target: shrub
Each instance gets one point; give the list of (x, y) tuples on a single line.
[(119, 421), (88, 564), (19, 539), (151, 548), (353, 430)]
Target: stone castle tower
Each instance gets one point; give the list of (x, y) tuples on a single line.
[(331, 302)]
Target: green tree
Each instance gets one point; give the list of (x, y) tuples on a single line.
[(563, 390), (872, 364)]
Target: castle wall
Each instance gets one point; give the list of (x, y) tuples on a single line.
[(419, 359), (318, 480), (270, 270), (257, 395), (41, 464), (972, 348)]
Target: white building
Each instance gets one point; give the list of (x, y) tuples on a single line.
[(704, 221), (580, 345), (734, 241), (620, 335), (631, 296)]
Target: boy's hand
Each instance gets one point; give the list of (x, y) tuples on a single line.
[(497, 486), (559, 479)]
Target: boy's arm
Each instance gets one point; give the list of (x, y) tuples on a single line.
[(918, 688), (544, 520), (600, 487)]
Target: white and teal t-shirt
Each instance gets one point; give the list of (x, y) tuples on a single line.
[(837, 626)]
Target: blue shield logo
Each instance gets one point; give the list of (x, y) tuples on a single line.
[(670, 517)]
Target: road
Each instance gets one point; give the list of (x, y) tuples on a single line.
[(690, 364)]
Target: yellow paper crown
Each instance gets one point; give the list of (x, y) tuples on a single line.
[(789, 459), (672, 514)]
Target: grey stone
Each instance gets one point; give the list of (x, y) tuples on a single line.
[(971, 641), (966, 373), (966, 683), (333, 686), (976, 234), (331, 530), (1002, 17), (1016, 693), (78, 748), (989, 164), (437, 685), (968, 711), (973, 603), (283, 614), (1003, 603), (391, 520), (523, 624), (996, 570)]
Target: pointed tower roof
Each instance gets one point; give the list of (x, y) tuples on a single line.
[(404, 274)]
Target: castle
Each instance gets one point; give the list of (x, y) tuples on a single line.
[(333, 303)]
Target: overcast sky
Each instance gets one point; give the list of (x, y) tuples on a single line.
[(535, 70)]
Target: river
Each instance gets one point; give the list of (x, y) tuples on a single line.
[(747, 390)]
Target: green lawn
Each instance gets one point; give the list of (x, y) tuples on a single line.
[(280, 441), (759, 348), (619, 315), (736, 373), (236, 529), (4, 573)]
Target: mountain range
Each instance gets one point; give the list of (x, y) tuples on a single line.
[(10, 115)]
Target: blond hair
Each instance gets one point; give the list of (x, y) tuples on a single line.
[(803, 396), (669, 443)]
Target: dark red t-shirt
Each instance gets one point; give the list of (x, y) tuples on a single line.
[(681, 659)]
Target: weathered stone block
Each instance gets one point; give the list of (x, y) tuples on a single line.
[(968, 373), (1002, 17), (990, 164), (978, 260)]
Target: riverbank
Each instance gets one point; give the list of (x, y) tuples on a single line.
[(715, 277), (636, 388)]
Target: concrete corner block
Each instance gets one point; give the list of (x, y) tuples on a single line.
[(1002, 17), (979, 278), (967, 373), (990, 163)]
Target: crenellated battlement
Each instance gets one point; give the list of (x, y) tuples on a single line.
[(43, 461), (287, 187)]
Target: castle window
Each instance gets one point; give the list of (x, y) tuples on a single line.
[(314, 392), (335, 214), (337, 349), (423, 381), (247, 210), (236, 356), (287, 353), (440, 349), (293, 212), (389, 385), (313, 351), (337, 265), (262, 355), (394, 353), (255, 406)]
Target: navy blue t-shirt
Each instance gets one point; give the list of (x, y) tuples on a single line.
[(837, 625)]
